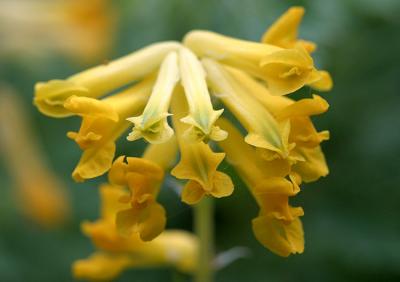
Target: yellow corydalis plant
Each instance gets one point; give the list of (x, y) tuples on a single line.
[(202, 116), (152, 124), (116, 253), (99, 81), (198, 163), (280, 150)]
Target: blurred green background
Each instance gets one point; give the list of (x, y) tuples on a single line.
[(351, 221)]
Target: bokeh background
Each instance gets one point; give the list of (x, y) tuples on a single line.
[(351, 221)]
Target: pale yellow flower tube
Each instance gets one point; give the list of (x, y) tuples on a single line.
[(152, 125), (201, 116), (41, 196), (100, 80), (285, 70), (263, 130)]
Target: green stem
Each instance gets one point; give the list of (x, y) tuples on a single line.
[(204, 228)]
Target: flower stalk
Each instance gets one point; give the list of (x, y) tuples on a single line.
[(204, 229)]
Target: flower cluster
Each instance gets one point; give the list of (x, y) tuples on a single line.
[(275, 149)]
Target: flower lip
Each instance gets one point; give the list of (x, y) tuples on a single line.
[(50, 96)]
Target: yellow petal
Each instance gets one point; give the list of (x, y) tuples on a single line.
[(323, 82), (122, 167), (192, 192), (201, 116), (152, 124), (287, 70), (304, 134), (101, 266), (95, 161), (110, 204), (148, 222), (314, 165), (282, 238), (284, 31), (86, 106), (305, 107)]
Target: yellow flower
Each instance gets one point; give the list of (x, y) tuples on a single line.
[(263, 130), (277, 227), (311, 163), (198, 162), (101, 80), (41, 196), (283, 33), (81, 30), (284, 70), (116, 253), (103, 121), (201, 116), (143, 177), (152, 124)]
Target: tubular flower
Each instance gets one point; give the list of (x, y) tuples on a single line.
[(101, 80), (284, 70), (263, 130), (143, 177), (280, 150), (81, 30), (152, 124), (311, 163), (41, 196), (284, 32), (116, 253), (277, 227), (201, 116), (103, 121), (198, 163)]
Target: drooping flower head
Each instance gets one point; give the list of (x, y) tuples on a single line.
[(174, 99)]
